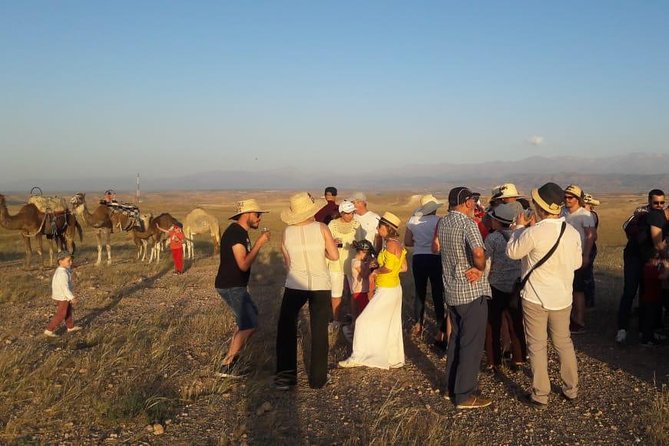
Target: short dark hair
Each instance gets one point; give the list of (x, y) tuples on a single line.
[(332, 190), (655, 192)]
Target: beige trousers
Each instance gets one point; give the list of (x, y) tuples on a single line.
[(539, 323)]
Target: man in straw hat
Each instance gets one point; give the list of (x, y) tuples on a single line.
[(547, 294), (467, 291), (237, 256), (581, 219), (589, 203)]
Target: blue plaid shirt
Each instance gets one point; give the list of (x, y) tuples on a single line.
[(458, 237)]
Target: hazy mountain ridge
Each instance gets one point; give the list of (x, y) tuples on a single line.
[(636, 172)]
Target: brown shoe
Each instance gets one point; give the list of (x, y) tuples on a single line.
[(474, 402)]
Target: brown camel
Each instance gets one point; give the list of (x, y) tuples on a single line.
[(199, 221), (151, 236), (34, 224), (99, 220)]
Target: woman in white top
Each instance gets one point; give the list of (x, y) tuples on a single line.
[(305, 246), (426, 266)]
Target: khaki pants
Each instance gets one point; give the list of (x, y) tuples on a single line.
[(540, 322)]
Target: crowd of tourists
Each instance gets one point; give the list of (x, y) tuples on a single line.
[(503, 278)]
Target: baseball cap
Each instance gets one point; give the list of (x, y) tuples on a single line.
[(346, 207), (459, 195)]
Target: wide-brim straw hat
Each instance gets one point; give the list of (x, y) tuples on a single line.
[(302, 207), (574, 190), (507, 190), (589, 199), (245, 206), (390, 219), (549, 197), (428, 204)]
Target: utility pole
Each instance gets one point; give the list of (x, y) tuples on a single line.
[(137, 193)]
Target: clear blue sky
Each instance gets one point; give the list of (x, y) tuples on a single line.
[(181, 87)]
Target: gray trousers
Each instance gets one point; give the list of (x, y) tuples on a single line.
[(539, 323), (465, 347)]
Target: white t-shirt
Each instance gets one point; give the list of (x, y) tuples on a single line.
[(368, 224), (580, 220), (422, 229)]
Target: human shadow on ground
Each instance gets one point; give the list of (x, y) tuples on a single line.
[(275, 413), (648, 364), (119, 294)]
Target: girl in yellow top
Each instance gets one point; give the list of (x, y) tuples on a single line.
[(377, 341)]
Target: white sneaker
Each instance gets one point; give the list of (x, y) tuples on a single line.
[(50, 334), (75, 328), (621, 336), (347, 363)]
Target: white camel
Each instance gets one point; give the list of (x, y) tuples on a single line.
[(199, 221)]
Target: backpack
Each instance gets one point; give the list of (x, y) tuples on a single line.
[(636, 226)]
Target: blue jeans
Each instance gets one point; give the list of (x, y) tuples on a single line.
[(240, 302)]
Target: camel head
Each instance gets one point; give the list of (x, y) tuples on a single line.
[(78, 199), (146, 220)]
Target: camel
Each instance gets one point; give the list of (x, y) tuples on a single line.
[(199, 221), (99, 220), (33, 224), (151, 236)]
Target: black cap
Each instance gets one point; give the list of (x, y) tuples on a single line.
[(332, 190), (549, 197), (459, 195)]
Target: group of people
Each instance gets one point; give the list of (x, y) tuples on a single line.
[(520, 269)]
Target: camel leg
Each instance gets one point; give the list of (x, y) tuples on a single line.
[(98, 237), (108, 240), (28, 248), (40, 248)]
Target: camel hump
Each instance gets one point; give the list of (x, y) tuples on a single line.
[(52, 204), (199, 220)]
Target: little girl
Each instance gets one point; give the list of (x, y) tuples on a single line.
[(360, 272), (176, 237)]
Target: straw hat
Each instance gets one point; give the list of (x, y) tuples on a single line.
[(428, 204), (390, 219), (589, 199), (507, 190), (245, 206), (302, 207), (574, 190), (549, 197)]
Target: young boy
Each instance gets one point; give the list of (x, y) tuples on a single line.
[(61, 286)]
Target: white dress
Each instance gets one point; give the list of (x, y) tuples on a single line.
[(378, 341)]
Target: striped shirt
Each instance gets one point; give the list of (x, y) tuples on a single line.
[(458, 237)]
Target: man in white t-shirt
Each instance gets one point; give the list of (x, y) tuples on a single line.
[(581, 219), (369, 221)]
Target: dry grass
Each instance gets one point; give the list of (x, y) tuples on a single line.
[(657, 418), (139, 362)]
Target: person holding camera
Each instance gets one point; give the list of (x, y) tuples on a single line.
[(344, 229), (550, 251)]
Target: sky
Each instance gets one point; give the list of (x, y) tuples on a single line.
[(92, 88)]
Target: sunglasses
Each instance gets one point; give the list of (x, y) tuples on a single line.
[(569, 197), (658, 203)]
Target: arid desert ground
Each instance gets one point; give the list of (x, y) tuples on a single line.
[(143, 369)]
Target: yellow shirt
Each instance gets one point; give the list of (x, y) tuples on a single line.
[(394, 264)]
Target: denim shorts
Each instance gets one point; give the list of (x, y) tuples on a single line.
[(240, 302)]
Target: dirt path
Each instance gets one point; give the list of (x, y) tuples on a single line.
[(359, 406)]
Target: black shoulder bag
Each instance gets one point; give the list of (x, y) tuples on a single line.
[(514, 301)]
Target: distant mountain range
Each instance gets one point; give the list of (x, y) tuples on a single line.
[(632, 173)]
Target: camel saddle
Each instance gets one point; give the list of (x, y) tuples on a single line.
[(130, 210), (46, 205)]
